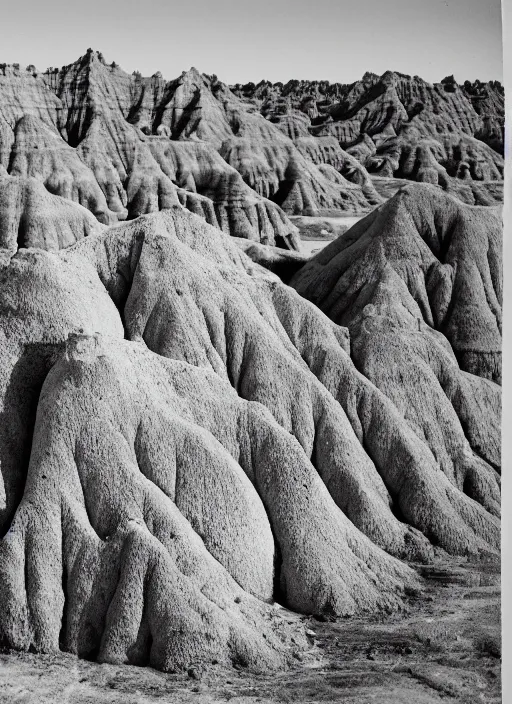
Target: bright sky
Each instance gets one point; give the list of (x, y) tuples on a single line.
[(247, 40)]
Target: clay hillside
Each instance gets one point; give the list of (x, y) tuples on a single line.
[(205, 436)]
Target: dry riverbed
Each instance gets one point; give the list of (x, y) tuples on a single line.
[(445, 648)]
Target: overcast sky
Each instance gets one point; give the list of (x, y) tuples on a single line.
[(243, 40)]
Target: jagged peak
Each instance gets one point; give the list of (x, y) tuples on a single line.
[(191, 75), (389, 78), (370, 76)]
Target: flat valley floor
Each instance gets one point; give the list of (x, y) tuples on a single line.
[(446, 648)]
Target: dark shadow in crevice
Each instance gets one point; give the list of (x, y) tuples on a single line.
[(18, 418), (282, 192), (118, 284), (279, 588)]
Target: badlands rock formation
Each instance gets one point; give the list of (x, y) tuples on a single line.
[(418, 282), (185, 429), (447, 254), (398, 125), (122, 146), (31, 216), (188, 444)]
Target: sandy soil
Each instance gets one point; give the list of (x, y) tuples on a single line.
[(313, 246), (320, 227), (446, 647), (317, 232)]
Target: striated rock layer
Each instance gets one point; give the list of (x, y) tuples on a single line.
[(30, 216), (245, 158), (402, 126), (123, 146)]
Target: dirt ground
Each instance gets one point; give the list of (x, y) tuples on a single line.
[(313, 246), (316, 232), (323, 227), (446, 647)]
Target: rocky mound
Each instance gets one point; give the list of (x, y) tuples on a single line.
[(212, 188), (200, 107), (190, 441), (461, 164), (419, 285), (277, 169), (189, 444), (447, 254), (30, 216)]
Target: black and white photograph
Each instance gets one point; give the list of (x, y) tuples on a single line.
[(251, 297)]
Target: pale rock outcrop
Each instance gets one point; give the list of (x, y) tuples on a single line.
[(488, 100), (22, 93), (277, 170), (326, 150), (241, 348), (197, 169), (43, 297), (92, 556), (39, 152)]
